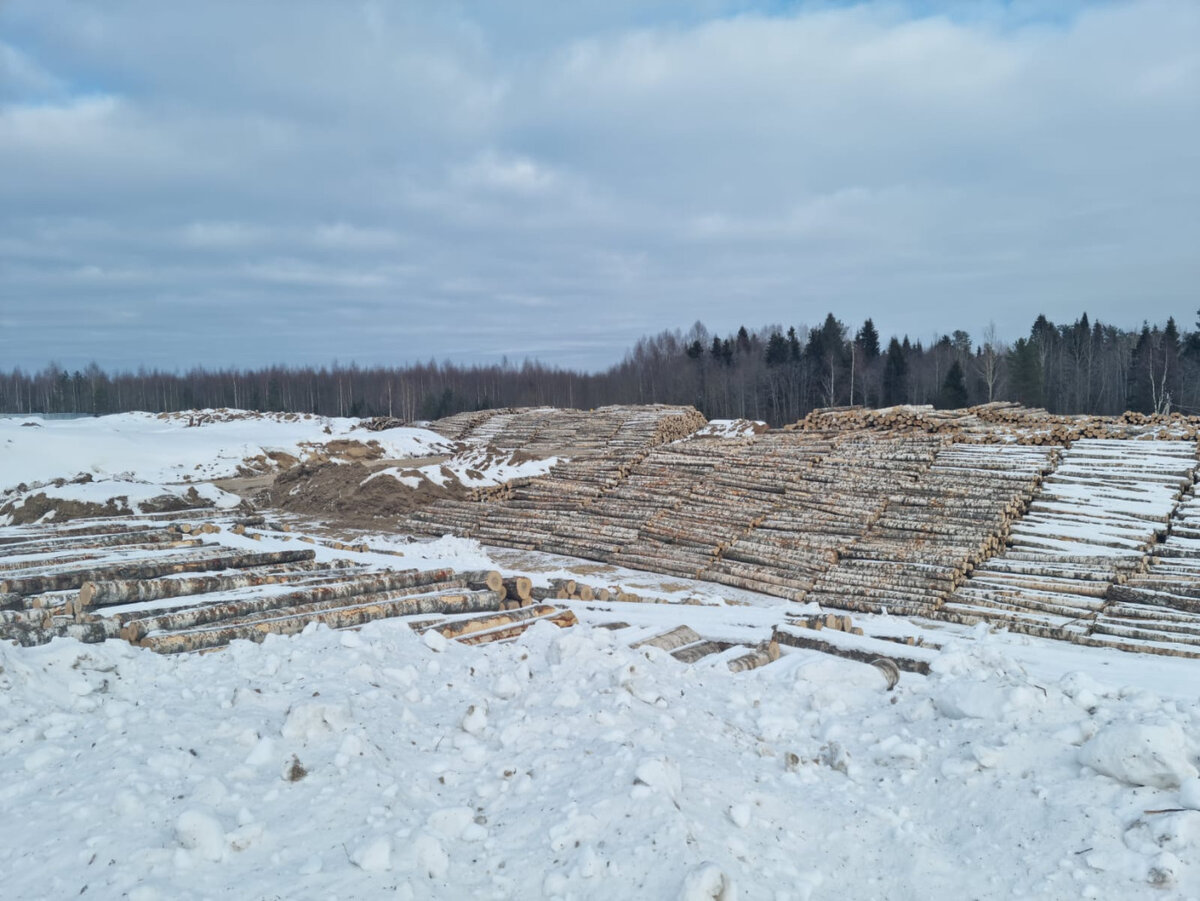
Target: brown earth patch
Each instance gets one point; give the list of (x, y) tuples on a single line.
[(354, 450), (33, 507), (36, 506), (339, 490)]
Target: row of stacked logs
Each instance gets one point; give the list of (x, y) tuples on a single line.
[(158, 586), (1088, 535), (1003, 422)]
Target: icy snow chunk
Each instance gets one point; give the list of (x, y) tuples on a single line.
[(309, 721), (894, 749), (475, 720), (242, 838), (971, 700), (264, 752), (1189, 793), (1177, 831), (451, 822), (568, 698), (1140, 755), (43, 757), (200, 832), (740, 815), (312, 866), (431, 857), (661, 774), (506, 687), (708, 883), (374, 856), (435, 641)]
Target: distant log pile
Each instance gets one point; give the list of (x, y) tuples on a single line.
[(1003, 422), (1086, 535), (602, 447), (823, 493)]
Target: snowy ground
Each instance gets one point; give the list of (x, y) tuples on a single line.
[(377, 764), (367, 764)]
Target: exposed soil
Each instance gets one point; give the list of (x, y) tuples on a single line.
[(38, 505), (339, 490), (31, 508)]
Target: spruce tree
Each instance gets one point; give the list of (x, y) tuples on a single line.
[(954, 389), (895, 375)]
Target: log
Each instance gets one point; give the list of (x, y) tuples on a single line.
[(699, 651), (74, 579), (482, 580), (520, 589), (461, 628), (562, 618), (376, 589), (336, 618), (766, 652), (128, 591), (860, 648), (671, 640)]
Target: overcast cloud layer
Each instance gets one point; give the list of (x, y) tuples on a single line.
[(244, 183)]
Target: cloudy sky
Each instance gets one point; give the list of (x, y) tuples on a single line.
[(244, 183)]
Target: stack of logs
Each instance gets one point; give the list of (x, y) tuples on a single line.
[(1160, 605), (155, 585), (1002, 422), (908, 510), (929, 535), (1088, 532)]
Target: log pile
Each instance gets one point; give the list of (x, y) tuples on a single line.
[(1091, 528), (910, 510), (1003, 422), (129, 579), (1160, 606), (601, 449), (825, 492), (934, 529)]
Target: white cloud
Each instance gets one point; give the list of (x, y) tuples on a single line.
[(601, 167), (490, 171)]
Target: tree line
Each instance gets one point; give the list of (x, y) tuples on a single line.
[(772, 374)]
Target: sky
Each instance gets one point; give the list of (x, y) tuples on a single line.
[(239, 184)]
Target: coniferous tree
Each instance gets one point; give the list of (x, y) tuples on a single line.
[(1025, 373), (954, 388), (895, 375), (868, 341)]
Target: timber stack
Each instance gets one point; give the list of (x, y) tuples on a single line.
[(1160, 606), (1091, 529), (931, 533), (152, 584), (1003, 422)]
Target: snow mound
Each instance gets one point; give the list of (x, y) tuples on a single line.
[(1140, 755)]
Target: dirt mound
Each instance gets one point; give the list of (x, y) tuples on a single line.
[(347, 449), (34, 507), (344, 491)]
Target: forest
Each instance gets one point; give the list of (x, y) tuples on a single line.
[(772, 374)]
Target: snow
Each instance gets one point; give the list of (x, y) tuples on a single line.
[(147, 448), (1141, 755), (366, 763), (474, 467), (131, 494), (731, 428)]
